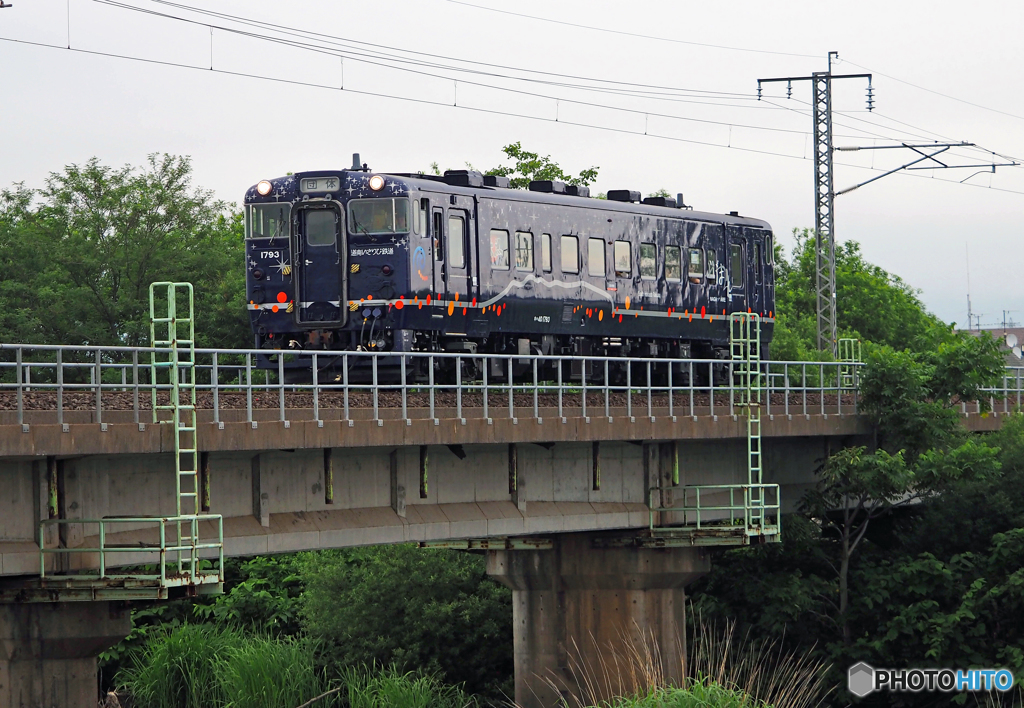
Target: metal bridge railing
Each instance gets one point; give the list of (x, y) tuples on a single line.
[(107, 384), (749, 510), (176, 555)]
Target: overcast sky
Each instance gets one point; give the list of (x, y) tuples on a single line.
[(697, 62)]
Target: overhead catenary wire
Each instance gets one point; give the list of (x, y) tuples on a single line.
[(445, 104), (633, 34), (937, 93), (534, 94), (339, 41), (381, 49)]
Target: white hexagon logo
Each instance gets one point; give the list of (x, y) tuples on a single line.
[(861, 679)]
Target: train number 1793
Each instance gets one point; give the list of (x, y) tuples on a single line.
[(270, 254)]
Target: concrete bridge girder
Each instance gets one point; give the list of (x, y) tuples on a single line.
[(469, 497)]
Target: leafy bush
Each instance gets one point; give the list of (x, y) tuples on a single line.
[(432, 610)]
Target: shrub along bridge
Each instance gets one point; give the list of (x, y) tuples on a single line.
[(129, 473)]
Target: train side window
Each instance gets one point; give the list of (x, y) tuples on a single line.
[(419, 216), (736, 265), (711, 266), (696, 268), (623, 259), (570, 254), (438, 236), (499, 250), (648, 261), (757, 262), (673, 264), (769, 250), (524, 250), (545, 252), (456, 242), (595, 257)]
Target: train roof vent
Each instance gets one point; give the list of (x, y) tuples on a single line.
[(552, 186), (464, 178), (661, 201), (734, 213), (623, 195), (575, 191), (496, 181)]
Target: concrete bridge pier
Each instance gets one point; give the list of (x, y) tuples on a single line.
[(594, 617), (48, 651)]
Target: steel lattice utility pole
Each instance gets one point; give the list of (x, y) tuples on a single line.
[(824, 195)]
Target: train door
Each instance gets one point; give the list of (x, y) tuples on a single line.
[(736, 253), (457, 280), (319, 263), (439, 248), (755, 244)]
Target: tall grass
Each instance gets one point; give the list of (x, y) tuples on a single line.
[(178, 669), (199, 666), (698, 694), (262, 672), (721, 670), (380, 687), (759, 668)]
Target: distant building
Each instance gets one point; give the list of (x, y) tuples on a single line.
[(1010, 338)]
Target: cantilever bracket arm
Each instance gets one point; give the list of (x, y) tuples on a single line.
[(919, 149), (901, 167)]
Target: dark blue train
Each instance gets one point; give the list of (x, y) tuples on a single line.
[(356, 260)]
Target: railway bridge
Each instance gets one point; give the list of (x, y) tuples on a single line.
[(129, 474)]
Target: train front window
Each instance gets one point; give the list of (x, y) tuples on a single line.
[(524, 250), (267, 220), (648, 261), (378, 216), (320, 227)]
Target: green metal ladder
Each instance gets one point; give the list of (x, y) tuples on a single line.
[(173, 338), (745, 349), (850, 356)]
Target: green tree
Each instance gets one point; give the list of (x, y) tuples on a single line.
[(871, 303), (83, 250), (432, 610), (529, 166)]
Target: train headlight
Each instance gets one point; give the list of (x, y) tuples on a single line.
[(377, 183), (264, 188)]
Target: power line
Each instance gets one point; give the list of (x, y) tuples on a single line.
[(632, 34), (939, 93), (340, 41), (343, 41), (443, 104), (362, 59)]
